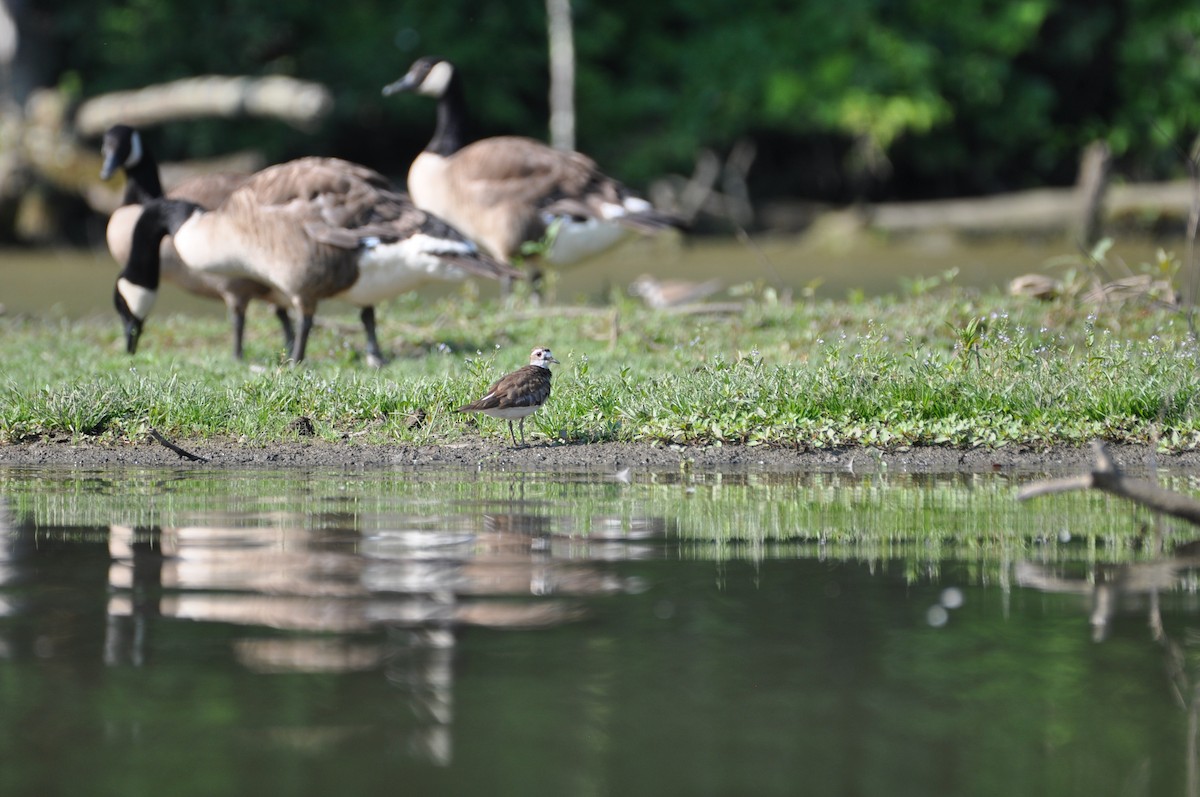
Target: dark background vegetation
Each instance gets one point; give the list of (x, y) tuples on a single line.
[(846, 100)]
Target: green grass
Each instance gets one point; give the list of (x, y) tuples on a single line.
[(941, 366)]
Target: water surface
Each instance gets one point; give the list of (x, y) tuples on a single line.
[(33, 281), (381, 632)]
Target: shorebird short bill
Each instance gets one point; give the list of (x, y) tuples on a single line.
[(518, 395)]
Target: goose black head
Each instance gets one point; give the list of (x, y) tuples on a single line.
[(430, 76), (121, 149), (137, 284)]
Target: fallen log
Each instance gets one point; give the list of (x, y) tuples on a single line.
[(299, 103)]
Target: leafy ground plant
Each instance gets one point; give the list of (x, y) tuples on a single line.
[(945, 366)]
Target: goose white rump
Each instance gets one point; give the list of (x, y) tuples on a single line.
[(387, 270)]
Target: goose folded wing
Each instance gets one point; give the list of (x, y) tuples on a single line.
[(514, 169)]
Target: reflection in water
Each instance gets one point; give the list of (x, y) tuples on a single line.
[(353, 627), (392, 599), (1133, 585), (6, 576), (1137, 587), (1113, 588)]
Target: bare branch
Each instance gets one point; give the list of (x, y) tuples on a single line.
[(300, 103), (181, 452), (1106, 476)]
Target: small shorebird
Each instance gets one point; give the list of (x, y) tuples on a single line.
[(519, 394), (661, 294)]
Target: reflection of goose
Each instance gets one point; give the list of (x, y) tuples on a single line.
[(124, 149), (269, 578), (506, 190), (516, 525), (313, 228)]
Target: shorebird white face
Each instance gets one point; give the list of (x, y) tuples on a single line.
[(542, 357)]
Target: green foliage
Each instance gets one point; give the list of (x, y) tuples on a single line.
[(920, 98)]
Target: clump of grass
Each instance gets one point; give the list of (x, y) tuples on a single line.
[(936, 366)]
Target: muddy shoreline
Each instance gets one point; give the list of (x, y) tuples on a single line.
[(594, 457)]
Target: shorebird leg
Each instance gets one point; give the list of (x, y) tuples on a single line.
[(514, 434)]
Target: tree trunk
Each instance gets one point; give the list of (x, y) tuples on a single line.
[(562, 74), (1094, 168)]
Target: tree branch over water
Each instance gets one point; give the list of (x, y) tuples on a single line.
[(1107, 477)]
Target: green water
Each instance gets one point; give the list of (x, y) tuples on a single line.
[(77, 284), (382, 632)]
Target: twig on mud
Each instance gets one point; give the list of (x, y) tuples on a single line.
[(181, 452), (1107, 477)]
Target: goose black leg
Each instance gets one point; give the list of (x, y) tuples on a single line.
[(306, 322), (238, 316), (289, 332), (374, 353), (536, 283)]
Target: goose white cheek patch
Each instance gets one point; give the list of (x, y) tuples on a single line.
[(435, 83), (139, 299), (135, 150)]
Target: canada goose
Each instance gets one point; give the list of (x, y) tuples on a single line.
[(312, 229), (124, 149), (506, 190)]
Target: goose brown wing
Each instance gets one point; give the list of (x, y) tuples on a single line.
[(525, 171), (330, 197), (368, 212), (345, 220), (515, 169), (342, 204), (208, 190), (312, 180)]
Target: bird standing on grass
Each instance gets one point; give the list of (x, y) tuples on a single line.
[(124, 150), (505, 191), (312, 229), (519, 394)]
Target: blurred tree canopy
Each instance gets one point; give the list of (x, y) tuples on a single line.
[(858, 99)]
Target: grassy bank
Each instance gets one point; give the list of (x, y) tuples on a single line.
[(938, 365)]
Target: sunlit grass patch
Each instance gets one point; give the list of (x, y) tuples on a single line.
[(939, 367)]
